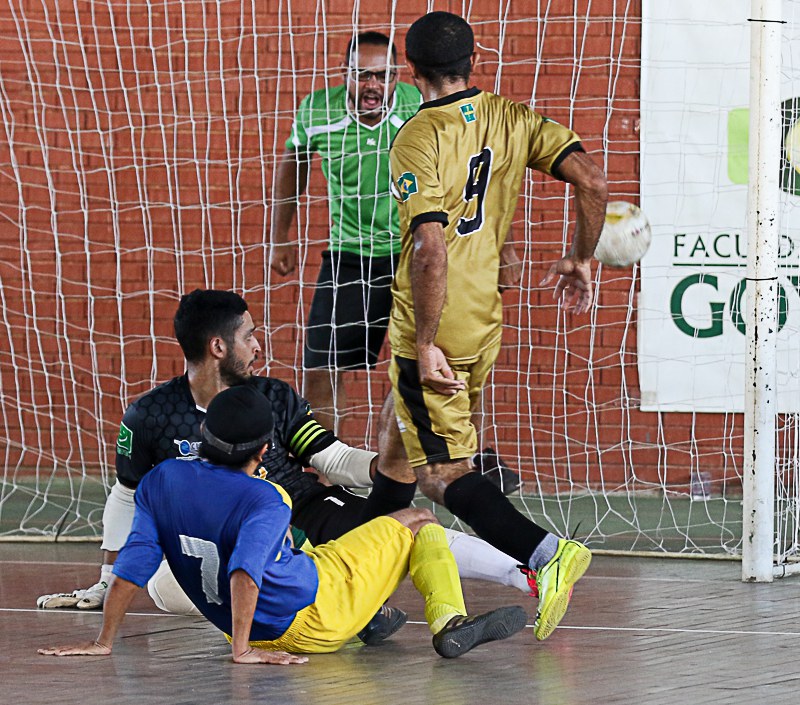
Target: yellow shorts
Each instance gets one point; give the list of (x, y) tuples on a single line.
[(436, 427), (357, 574)]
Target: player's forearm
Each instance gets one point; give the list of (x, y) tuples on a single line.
[(244, 596), (344, 465), (290, 183), (591, 196), (120, 595), (508, 255), (428, 280), (118, 516), (510, 273)]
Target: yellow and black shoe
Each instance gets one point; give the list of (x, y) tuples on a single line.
[(386, 622)]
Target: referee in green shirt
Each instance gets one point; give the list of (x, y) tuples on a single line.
[(351, 128)]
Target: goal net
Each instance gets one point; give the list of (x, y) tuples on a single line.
[(138, 156)]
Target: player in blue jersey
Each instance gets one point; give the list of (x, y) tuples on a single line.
[(226, 537), (216, 333)]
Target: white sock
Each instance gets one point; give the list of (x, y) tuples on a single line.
[(106, 571), (477, 559)]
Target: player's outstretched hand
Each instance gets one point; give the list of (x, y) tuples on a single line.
[(510, 268), (283, 257), (574, 286), (279, 658), (90, 648), (436, 373)]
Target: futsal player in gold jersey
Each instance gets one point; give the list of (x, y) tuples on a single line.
[(457, 169)]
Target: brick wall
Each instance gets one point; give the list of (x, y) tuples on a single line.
[(137, 161)]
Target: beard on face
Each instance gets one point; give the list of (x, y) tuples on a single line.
[(234, 371)]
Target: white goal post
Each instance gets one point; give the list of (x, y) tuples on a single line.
[(762, 307)]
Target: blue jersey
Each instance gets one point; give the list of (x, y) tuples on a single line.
[(210, 521)]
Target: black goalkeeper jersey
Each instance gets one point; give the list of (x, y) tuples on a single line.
[(165, 423)]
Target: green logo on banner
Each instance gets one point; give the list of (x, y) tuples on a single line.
[(738, 134), (125, 441), (738, 145)]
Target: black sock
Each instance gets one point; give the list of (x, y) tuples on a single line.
[(479, 503), (387, 496)]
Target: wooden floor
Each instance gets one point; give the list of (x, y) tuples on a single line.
[(650, 631)]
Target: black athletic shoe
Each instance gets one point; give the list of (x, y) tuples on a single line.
[(495, 469), (385, 623), (461, 634)]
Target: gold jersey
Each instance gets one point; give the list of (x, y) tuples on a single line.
[(460, 161)]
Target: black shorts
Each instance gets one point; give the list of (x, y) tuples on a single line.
[(329, 514), (349, 312)]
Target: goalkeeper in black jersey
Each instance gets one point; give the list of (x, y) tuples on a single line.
[(216, 333), (165, 423)]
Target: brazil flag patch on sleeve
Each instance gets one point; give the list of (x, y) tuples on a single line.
[(406, 185)]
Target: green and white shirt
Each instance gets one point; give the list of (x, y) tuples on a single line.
[(355, 162)]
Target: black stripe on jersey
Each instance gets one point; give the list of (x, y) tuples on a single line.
[(569, 149), (468, 93), (430, 217), (452, 98), (434, 446)]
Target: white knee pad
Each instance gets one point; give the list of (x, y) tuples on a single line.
[(167, 594), (117, 517)]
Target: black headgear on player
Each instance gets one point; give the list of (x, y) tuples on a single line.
[(238, 423), (439, 39)]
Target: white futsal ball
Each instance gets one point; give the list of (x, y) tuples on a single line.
[(626, 235)]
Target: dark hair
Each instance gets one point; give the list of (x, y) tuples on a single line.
[(238, 423), (205, 314), (374, 39), (440, 45)]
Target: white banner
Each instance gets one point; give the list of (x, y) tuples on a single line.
[(694, 132)]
